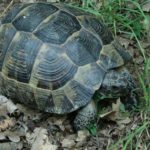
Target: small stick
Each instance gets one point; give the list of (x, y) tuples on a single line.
[(6, 9)]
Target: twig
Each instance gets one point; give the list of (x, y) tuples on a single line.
[(7, 8)]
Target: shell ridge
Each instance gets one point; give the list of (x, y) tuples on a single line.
[(44, 20), (22, 10), (7, 50)]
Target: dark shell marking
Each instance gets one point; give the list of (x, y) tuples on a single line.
[(56, 60)]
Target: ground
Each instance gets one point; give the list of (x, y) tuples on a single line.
[(22, 128)]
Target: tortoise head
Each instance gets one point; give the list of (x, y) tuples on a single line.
[(117, 83)]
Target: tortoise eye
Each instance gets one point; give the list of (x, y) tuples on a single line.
[(114, 87)]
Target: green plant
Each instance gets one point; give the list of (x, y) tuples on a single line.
[(132, 140), (122, 16), (92, 129), (145, 84), (127, 17)]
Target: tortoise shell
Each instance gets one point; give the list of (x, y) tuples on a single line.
[(54, 57)]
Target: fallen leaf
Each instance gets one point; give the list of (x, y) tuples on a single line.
[(146, 6), (121, 127), (116, 106), (96, 4), (125, 121), (6, 106), (104, 133), (2, 137), (3, 105), (112, 115), (11, 146), (139, 60), (125, 41), (134, 127), (82, 135), (29, 113), (14, 138), (144, 44), (6, 123), (68, 143), (5, 146), (57, 121), (39, 140), (11, 107), (11, 139), (3, 99)]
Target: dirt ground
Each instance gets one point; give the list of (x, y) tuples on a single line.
[(22, 128)]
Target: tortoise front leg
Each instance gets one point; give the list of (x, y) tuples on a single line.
[(85, 116)]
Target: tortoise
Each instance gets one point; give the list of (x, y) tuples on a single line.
[(54, 57)]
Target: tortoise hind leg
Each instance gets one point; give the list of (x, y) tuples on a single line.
[(85, 116)]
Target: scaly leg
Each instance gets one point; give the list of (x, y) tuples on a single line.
[(85, 116)]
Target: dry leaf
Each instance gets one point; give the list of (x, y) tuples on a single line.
[(121, 127), (146, 7), (11, 107), (6, 123), (2, 137), (3, 106), (116, 106), (39, 140), (6, 106), (111, 115), (11, 146), (114, 113), (124, 41), (134, 127), (82, 135), (29, 113), (68, 143), (126, 120), (3, 99), (14, 138), (145, 45), (139, 60), (57, 121), (5, 146)]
